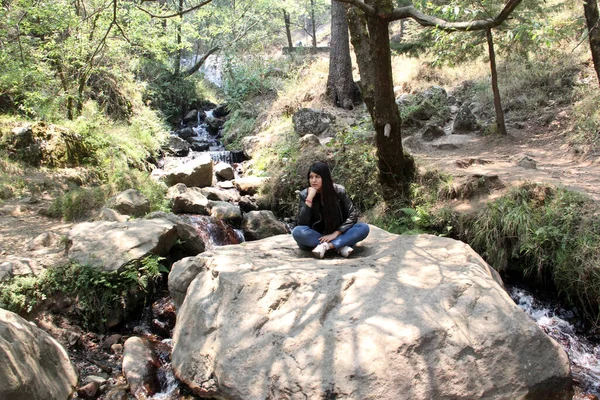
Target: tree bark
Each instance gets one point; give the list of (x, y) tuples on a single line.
[(359, 37), (179, 48), (592, 19), (313, 23), (288, 31), (497, 101), (341, 89)]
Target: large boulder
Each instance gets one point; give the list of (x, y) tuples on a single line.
[(250, 184), (465, 121), (139, 367), (310, 121), (191, 243), (197, 172), (406, 317), (130, 202), (188, 200), (177, 146), (262, 224), (33, 365), (226, 212), (220, 194), (111, 245)]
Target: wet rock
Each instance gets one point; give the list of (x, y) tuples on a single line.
[(130, 202), (188, 200), (527, 163), (310, 121), (33, 365), (403, 306), (191, 116), (177, 146), (262, 224), (111, 245), (221, 111), (195, 173), (139, 367), (163, 310), (465, 121), (191, 242), (250, 185), (224, 171), (199, 145), (432, 132), (226, 212), (117, 392), (185, 133)]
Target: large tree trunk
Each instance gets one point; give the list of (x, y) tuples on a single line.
[(497, 101), (179, 48), (341, 89), (592, 18), (395, 169), (313, 23), (288, 31)]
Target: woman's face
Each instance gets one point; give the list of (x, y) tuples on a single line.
[(315, 181)]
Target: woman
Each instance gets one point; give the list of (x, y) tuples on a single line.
[(327, 219)]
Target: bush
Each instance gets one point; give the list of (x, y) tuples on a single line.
[(94, 294)]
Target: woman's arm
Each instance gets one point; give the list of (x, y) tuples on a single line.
[(304, 211), (348, 210)]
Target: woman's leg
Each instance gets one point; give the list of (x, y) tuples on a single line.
[(352, 236), (306, 237)]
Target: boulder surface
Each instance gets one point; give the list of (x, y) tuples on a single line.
[(33, 365), (406, 317)]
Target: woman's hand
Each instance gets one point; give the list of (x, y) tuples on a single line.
[(330, 237), (312, 192)]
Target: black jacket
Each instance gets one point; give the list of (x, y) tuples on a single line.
[(313, 216)]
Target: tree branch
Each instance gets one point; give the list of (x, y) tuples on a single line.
[(178, 14), (367, 9), (199, 63)]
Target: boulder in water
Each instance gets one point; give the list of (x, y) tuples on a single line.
[(33, 365), (226, 212), (405, 317), (188, 200), (139, 367), (195, 173), (177, 146), (190, 242)]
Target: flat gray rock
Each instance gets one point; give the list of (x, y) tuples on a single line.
[(405, 317)]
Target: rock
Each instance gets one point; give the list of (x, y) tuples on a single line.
[(309, 140), (435, 92), (220, 194), (197, 172), (432, 132), (259, 225), (185, 133), (111, 245), (190, 241), (33, 365), (164, 317), (408, 317), (310, 121), (199, 145), (45, 241), (527, 163), (177, 146), (15, 266), (221, 111), (117, 392), (139, 367), (6, 271), (445, 146), (182, 274), (226, 185), (188, 200), (130, 202), (117, 349), (247, 204), (224, 171), (108, 214), (89, 390), (250, 185), (465, 121), (226, 212), (249, 145), (109, 341), (191, 116)]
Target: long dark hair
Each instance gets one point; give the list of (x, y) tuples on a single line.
[(328, 195)]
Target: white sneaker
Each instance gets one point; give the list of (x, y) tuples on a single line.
[(320, 250), (345, 251)]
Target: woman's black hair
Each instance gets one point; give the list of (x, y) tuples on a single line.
[(328, 195)]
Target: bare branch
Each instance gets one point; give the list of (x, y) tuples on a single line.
[(367, 9), (178, 14), (199, 63)]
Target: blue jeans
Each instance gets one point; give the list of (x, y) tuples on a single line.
[(308, 238)]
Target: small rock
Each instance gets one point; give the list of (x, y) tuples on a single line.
[(432, 132), (527, 163), (108, 214), (112, 339), (445, 146), (130, 202), (226, 185), (310, 140), (224, 171), (45, 240), (117, 348), (89, 390), (73, 338)]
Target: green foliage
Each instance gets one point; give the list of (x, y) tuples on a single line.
[(239, 124), (77, 204), (95, 294), (546, 234), (432, 106), (586, 117)]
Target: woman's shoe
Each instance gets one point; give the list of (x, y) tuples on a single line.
[(320, 250), (345, 251)]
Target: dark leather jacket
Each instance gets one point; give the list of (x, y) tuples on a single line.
[(313, 217)]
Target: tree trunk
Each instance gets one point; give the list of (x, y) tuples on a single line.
[(341, 89), (395, 169), (592, 19), (313, 23), (497, 101), (179, 48), (288, 32)]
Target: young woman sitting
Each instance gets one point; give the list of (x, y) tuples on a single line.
[(327, 218)]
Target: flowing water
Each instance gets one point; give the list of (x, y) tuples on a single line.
[(565, 326)]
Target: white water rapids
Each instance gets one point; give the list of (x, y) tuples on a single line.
[(583, 354)]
